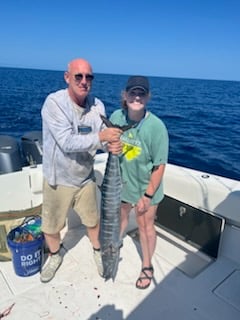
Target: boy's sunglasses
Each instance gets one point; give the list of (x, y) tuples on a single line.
[(88, 77)]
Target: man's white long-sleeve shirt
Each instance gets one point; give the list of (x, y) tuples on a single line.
[(70, 138)]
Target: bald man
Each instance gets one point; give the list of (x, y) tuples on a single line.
[(72, 133)]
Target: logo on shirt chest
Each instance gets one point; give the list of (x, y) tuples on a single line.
[(84, 129), (131, 147)]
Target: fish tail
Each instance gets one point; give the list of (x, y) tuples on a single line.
[(109, 124)]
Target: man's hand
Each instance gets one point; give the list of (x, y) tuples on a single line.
[(110, 135), (115, 147)]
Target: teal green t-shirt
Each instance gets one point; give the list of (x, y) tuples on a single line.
[(144, 147)]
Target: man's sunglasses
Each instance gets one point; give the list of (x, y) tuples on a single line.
[(88, 77)]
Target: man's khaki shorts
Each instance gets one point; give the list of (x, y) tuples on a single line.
[(57, 200)]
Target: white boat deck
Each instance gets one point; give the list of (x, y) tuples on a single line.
[(78, 292), (186, 285)]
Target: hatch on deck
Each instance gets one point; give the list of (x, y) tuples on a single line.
[(196, 227), (188, 238)]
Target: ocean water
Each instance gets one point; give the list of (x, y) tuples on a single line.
[(202, 116)]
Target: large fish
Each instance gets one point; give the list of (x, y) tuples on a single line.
[(110, 212)]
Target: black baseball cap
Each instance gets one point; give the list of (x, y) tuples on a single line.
[(137, 82)]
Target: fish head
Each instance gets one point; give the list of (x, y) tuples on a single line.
[(110, 259)]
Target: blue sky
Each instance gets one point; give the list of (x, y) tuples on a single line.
[(181, 38)]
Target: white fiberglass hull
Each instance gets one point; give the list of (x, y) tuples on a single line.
[(77, 292)]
